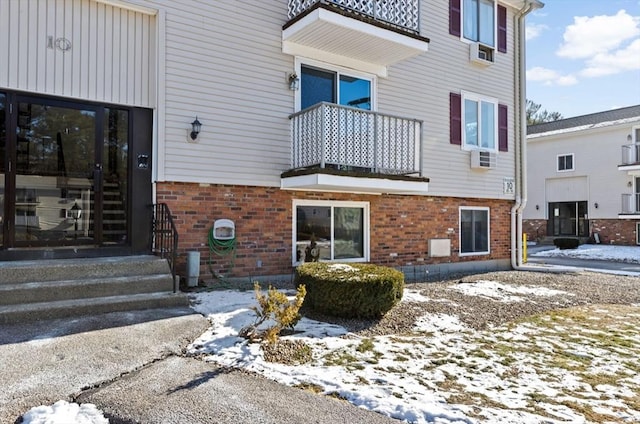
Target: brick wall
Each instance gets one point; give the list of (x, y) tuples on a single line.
[(400, 225), (615, 231), (611, 231)]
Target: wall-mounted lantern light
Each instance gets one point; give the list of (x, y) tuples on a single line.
[(595, 205), (75, 212), (629, 138), (537, 207), (196, 126), (294, 82)]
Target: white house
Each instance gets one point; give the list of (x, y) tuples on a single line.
[(583, 177), (387, 132)]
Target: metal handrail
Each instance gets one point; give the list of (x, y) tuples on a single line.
[(401, 14), (630, 203), (165, 238), (631, 154)]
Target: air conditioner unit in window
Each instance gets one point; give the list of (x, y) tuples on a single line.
[(480, 54), (482, 159)]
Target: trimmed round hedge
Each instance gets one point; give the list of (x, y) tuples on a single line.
[(350, 290)]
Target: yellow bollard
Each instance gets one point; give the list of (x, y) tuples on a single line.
[(524, 248)]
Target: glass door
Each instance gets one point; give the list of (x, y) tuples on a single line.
[(58, 174)]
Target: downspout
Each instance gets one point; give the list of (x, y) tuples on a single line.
[(520, 133)]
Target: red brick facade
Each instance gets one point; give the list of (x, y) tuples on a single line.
[(400, 226), (610, 231)]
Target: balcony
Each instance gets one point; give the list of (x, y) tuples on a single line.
[(630, 159), (363, 34), (344, 149), (630, 206)]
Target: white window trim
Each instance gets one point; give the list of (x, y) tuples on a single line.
[(332, 203), (573, 162), (474, 208), (467, 95), (634, 131), (638, 233), (495, 27), (299, 61)]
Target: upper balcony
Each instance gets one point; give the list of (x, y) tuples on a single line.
[(630, 205), (363, 34), (345, 149), (630, 159)]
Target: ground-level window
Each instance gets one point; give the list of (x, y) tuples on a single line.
[(638, 233), (328, 231), (565, 162), (474, 231)]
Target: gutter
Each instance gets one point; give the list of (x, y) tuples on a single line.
[(521, 135)]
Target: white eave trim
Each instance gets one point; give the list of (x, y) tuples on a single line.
[(346, 184), (407, 46), (128, 5)]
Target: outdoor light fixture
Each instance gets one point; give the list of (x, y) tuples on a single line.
[(75, 212), (537, 207), (629, 138), (596, 205), (294, 82), (196, 126)]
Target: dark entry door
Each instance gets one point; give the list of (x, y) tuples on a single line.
[(568, 219), (65, 173)]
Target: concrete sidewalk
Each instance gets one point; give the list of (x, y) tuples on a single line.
[(132, 366)]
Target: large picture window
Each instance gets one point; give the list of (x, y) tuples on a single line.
[(480, 122), (474, 231), (327, 231)]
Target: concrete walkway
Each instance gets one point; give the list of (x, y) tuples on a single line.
[(132, 366)]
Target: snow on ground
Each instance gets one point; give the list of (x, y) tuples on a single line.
[(550, 370), (554, 369), (629, 254)]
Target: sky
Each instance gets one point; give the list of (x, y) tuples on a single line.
[(583, 56), (376, 373)]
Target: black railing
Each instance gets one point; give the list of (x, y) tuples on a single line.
[(165, 238)]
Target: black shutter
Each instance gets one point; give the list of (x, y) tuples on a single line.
[(502, 29), (455, 119), (503, 128), (454, 17)]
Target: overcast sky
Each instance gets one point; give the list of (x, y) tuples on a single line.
[(583, 56)]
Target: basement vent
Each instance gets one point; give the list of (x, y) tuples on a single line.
[(481, 159)]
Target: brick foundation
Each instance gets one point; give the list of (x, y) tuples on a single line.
[(400, 226), (611, 231)]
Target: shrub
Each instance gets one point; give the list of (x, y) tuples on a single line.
[(350, 291), (566, 243), (277, 307)]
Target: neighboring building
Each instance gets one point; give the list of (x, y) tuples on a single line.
[(382, 131), (583, 178)]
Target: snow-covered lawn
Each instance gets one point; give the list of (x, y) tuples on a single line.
[(628, 254), (577, 365)]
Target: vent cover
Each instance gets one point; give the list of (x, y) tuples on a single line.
[(482, 159)]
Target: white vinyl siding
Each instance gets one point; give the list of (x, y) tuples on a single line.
[(111, 56)]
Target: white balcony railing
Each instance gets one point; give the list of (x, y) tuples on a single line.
[(631, 203), (404, 14), (341, 137), (631, 154)]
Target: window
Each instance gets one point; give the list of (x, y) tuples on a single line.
[(474, 231), (479, 122), (334, 86), (565, 162), (327, 231), (480, 21)]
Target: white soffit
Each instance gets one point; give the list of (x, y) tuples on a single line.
[(355, 41)]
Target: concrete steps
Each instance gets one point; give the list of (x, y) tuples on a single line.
[(48, 289)]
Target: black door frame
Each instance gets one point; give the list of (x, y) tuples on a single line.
[(139, 192)]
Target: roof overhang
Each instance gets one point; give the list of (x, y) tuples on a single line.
[(330, 36), (349, 184)]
